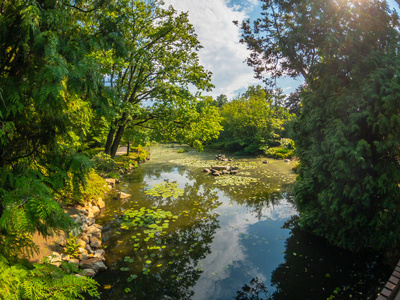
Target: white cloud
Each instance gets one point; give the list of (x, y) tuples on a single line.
[(222, 54)]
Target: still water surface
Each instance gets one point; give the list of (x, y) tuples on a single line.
[(233, 238)]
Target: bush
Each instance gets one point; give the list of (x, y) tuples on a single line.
[(93, 188), (285, 150), (278, 152), (72, 246), (104, 162)]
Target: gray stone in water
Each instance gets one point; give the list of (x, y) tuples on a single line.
[(221, 168), (110, 181), (95, 264), (88, 272), (123, 196), (100, 203)]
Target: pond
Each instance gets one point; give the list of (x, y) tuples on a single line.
[(187, 235)]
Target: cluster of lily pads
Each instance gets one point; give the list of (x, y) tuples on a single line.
[(234, 180), (165, 190)]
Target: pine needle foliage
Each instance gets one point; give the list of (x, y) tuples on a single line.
[(347, 135)]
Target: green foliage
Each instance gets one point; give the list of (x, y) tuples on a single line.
[(82, 192), (42, 281), (183, 150), (348, 133), (252, 121), (71, 246), (161, 59), (285, 150), (278, 152), (103, 162)]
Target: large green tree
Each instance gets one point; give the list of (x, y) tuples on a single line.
[(153, 69), (252, 121), (348, 133), (48, 84)]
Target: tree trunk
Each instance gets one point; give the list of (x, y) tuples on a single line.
[(127, 149), (117, 140), (110, 138)]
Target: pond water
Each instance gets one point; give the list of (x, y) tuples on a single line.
[(227, 237)]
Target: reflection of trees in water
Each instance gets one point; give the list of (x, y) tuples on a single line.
[(256, 290), (313, 269), (187, 241)]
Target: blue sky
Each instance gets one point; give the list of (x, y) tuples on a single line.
[(222, 54)]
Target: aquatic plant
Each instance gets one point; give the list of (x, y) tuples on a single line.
[(165, 190)]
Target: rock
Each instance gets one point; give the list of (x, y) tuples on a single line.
[(88, 272), (84, 227), (65, 257), (79, 220), (110, 181), (61, 241), (85, 238), (95, 264), (220, 168), (91, 221), (94, 231), (81, 243), (100, 203), (74, 260), (83, 250), (83, 256), (89, 249), (123, 196), (265, 161), (98, 226), (95, 210), (95, 242), (55, 259), (287, 160), (100, 252)]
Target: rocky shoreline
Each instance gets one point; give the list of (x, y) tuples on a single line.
[(91, 257)]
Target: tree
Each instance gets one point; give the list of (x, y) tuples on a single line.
[(152, 70), (48, 84), (348, 132), (252, 121)]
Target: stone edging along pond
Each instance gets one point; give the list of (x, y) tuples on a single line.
[(88, 236)]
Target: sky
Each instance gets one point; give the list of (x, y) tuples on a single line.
[(222, 54)]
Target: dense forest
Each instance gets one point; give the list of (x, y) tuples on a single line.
[(80, 78)]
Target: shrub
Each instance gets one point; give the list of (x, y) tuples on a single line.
[(93, 188), (103, 162), (71, 246)]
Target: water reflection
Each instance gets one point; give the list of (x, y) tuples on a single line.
[(314, 268), (230, 241)]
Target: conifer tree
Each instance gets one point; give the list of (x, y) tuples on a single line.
[(348, 133)]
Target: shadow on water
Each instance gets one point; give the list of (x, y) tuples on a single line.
[(230, 238)]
